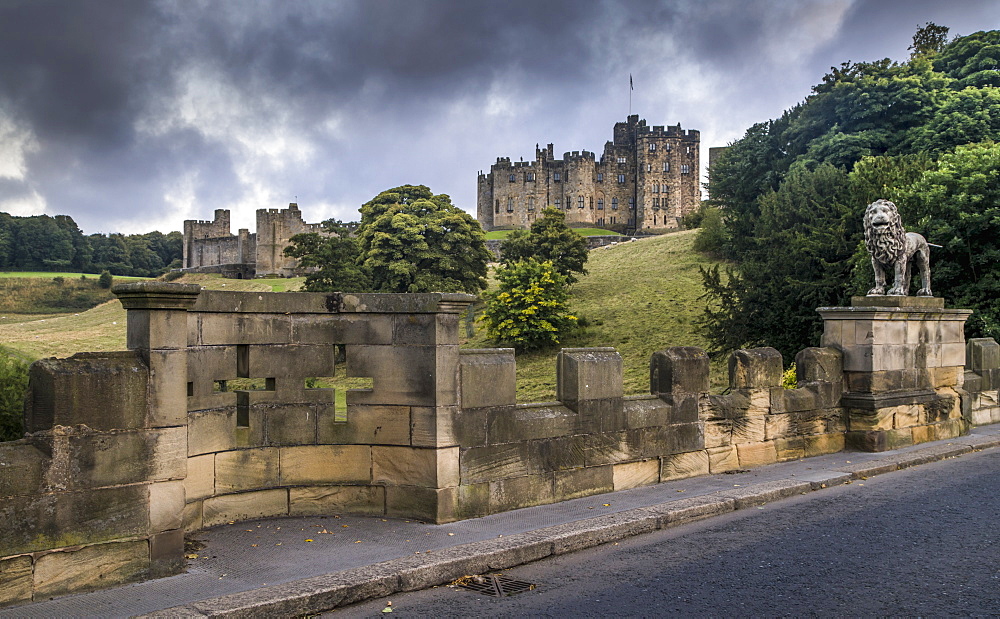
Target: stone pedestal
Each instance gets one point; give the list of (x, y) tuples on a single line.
[(904, 360)]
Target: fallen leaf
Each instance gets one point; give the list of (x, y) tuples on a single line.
[(451, 535), (308, 540), (190, 556), (358, 542), (607, 505)]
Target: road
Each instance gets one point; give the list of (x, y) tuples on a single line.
[(923, 541)]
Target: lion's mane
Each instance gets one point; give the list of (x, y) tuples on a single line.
[(886, 245)]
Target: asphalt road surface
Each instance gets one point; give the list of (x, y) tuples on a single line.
[(923, 541)]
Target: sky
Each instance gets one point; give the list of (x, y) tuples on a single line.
[(134, 115)]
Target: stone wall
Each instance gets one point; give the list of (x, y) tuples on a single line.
[(213, 416)]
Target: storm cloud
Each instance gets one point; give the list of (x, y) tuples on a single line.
[(133, 115)]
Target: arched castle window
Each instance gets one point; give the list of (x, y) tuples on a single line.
[(666, 166), (621, 160), (530, 176), (510, 205), (558, 203), (556, 176), (497, 209), (649, 167), (600, 204), (652, 147), (513, 177), (579, 202), (621, 178), (600, 177), (631, 203), (614, 206), (685, 169)]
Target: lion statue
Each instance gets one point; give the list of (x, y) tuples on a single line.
[(894, 249)]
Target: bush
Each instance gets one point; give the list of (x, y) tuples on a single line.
[(530, 308), (13, 387), (170, 276), (711, 238), (105, 280)]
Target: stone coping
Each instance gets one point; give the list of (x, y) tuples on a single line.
[(875, 312), (896, 301), (227, 302)]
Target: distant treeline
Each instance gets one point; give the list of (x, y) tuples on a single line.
[(44, 243)]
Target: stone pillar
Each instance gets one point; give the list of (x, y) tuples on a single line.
[(158, 331), (904, 361)]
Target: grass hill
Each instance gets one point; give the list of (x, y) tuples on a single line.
[(638, 297)]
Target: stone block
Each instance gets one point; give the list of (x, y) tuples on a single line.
[(946, 377), (166, 553), (483, 464), (611, 448), (580, 482), (685, 408), (424, 329), (216, 430), (415, 466), (982, 353), (651, 412), (819, 364), (517, 492), (798, 400), (222, 329), (168, 400), (322, 500), (864, 420), (245, 506), (819, 444), (16, 575), (757, 368), (200, 480), (750, 429), (22, 468), (835, 335), (923, 434), (343, 329), (722, 459), (469, 427), (907, 416), (290, 360), (437, 505), (634, 474), (473, 501), (326, 464), (952, 355), (718, 433), (295, 424), (148, 329), (431, 427), (555, 454), (192, 516), (92, 567), (529, 422), (879, 440), (757, 454), (246, 469), (683, 465), (104, 391), (953, 428), (677, 438), (724, 406), (606, 415), (681, 369), (588, 374), (83, 459), (401, 375), (166, 506), (792, 448), (947, 405)]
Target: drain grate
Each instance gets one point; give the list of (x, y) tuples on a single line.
[(494, 584)]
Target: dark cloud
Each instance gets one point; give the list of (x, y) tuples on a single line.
[(136, 113)]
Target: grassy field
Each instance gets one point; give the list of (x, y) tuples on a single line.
[(638, 297), (50, 275), (502, 234)]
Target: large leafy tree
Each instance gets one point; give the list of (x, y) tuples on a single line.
[(792, 191), (530, 308), (411, 240), (334, 256), (549, 239)]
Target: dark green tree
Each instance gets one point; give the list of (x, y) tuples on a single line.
[(972, 60), (549, 239), (335, 258), (13, 386), (928, 39), (414, 241)]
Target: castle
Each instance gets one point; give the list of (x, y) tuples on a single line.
[(646, 179), (210, 247)]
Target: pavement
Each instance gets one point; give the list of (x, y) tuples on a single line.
[(301, 566)]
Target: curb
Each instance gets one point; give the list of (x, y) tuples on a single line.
[(322, 593)]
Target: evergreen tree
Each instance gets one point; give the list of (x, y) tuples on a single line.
[(335, 257), (549, 239)]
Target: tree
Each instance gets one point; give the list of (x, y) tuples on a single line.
[(13, 385), (105, 280), (549, 239), (973, 60), (929, 39), (414, 241), (335, 256), (529, 309)]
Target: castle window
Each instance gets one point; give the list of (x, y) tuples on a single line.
[(621, 160), (497, 209), (590, 200), (513, 177), (613, 220), (649, 167), (600, 177), (510, 205), (530, 176), (667, 146), (666, 166), (558, 203), (579, 202), (621, 178), (600, 204), (556, 176), (531, 204), (631, 203), (687, 150), (656, 203), (614, 207), (685, 169), (655, 188), (652, 147)]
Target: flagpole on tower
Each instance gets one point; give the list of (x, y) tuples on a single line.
[(630, 89)]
